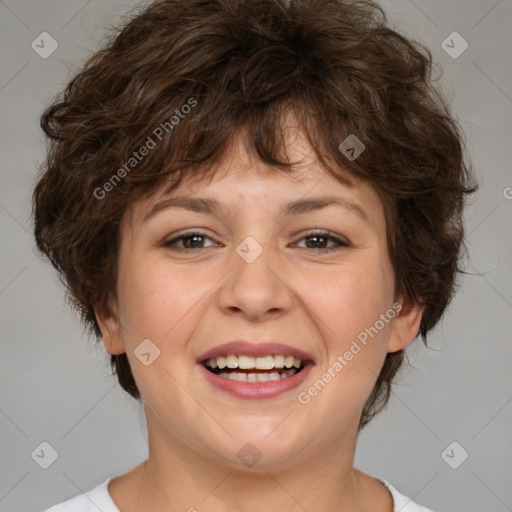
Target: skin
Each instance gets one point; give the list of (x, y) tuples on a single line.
[(187, 302)]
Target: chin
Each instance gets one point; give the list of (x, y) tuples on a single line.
[(258, 448)]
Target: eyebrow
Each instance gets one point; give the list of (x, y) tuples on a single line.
[(297, 207)]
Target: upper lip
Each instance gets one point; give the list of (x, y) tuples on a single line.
[(254, 349)]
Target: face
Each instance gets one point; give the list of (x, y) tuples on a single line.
[(317, 280)]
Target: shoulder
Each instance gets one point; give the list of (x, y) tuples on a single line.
[(403, 503), (91, 501)]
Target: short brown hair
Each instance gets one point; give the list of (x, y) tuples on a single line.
[(337, 65)]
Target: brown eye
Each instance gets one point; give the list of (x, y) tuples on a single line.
[(319, 240), (189, 241)]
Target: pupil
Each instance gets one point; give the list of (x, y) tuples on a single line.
[(316, 238), (189, 238)]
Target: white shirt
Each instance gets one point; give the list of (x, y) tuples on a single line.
[(99, 499)]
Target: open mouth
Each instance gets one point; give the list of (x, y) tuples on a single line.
[(254, 369)]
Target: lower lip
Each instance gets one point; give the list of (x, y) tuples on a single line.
[(256, 390)]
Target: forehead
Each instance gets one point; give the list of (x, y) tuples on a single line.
[(241, 180)]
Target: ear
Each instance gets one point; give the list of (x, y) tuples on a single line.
[(110, 329), (405, 327)]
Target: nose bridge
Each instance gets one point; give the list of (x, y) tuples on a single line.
[(256, 260), (254, 285)]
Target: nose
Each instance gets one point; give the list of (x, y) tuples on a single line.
[(256, 286)]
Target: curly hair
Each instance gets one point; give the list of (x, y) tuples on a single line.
[(171, 88)]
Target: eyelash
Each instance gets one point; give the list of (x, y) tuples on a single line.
[(321, 234)]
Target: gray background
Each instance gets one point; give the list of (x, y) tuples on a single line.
[(56, 386)]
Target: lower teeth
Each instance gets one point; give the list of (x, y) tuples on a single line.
[(257, 377)]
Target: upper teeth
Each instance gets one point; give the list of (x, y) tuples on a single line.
[(250, 363)]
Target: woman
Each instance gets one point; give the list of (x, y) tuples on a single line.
[(256, 206)]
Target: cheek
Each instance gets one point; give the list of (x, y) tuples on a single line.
[(155, 299), (349, 302), (159, 305)]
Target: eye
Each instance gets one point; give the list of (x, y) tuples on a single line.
[(319, 239), (195, 240), (190, 240)]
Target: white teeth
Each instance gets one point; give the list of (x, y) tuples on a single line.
[(237, 376), (278, 361), (264, 363), (288, 361), (245, 362), (257, 377), (250, 363), (232, 361)]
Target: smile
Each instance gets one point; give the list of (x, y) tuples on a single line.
[(255, 377), (254, 369)]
